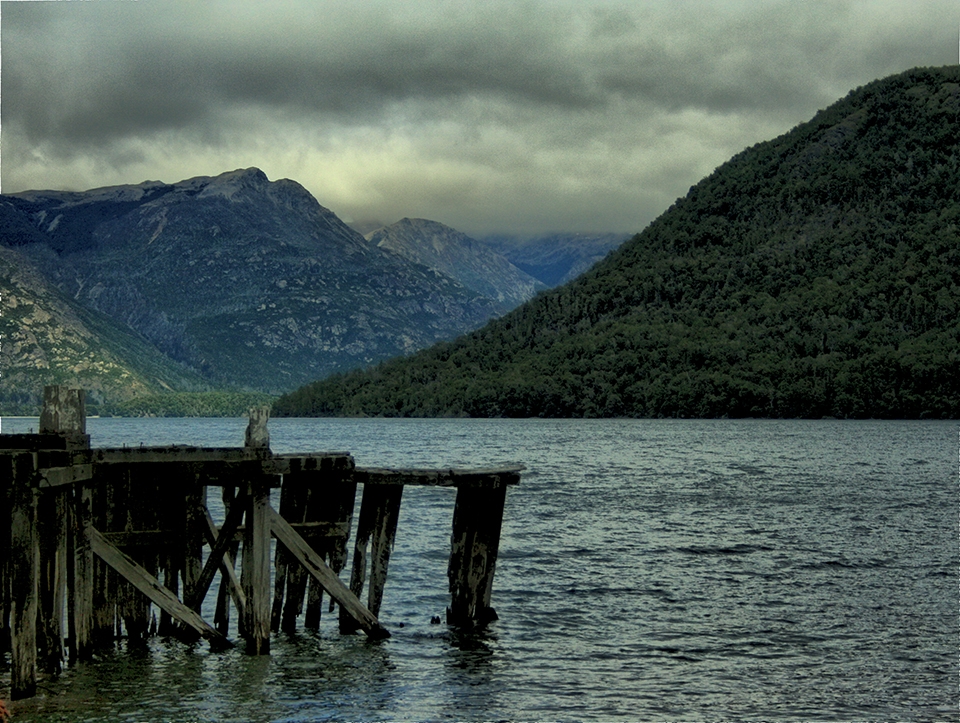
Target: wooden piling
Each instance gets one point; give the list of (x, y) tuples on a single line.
[(63, 414), (24, 559), (52, 537), (80, 577), (475, 542), (6, 479), (376, 530), (256, 567)]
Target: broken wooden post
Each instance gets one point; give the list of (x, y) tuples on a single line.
[(477, 519), (257, 435), (64, 412)]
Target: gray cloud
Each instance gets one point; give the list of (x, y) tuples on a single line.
[(488, 116)]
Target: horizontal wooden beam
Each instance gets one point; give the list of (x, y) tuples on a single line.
[(46, 440), (493, 476), (177, 453), (58, 476)]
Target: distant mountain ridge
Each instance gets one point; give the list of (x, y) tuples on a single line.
[(817, 274), (473, 264), (239, 282)]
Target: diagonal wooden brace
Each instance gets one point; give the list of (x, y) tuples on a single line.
[(315, 565), (151, 587)]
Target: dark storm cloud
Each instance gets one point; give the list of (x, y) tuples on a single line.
[(107, 68), (492, 115)]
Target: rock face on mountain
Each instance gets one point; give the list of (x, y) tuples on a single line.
[(556, 258), (47, 338), (817, 274), (245, 282), (460, 257)]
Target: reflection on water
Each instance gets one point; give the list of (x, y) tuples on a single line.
[(653, 570)]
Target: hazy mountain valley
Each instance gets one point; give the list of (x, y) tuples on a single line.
[(230, 282)]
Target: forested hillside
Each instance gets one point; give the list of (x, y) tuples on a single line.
[(812, 275)]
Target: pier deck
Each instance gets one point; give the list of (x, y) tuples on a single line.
[(98, 538)]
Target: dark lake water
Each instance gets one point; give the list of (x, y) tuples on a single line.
[(649, 570)]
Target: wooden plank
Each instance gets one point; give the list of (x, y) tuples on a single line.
[(509, 475), (32, 442), (151, 587), (477, 520), (381, 545), (227, 560), (315, 565), (24, 566), (335, 465)]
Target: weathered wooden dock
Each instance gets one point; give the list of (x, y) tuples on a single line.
[(92, 540)]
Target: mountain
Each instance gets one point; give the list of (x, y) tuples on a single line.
[(556, 258), (243, 282), (47, 338), (460, 257), (817, 274)]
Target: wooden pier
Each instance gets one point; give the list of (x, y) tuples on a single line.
[(92, 540)]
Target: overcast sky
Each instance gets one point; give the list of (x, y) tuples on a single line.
[(491, 116)]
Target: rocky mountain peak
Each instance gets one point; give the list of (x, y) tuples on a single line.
[(455, 254)]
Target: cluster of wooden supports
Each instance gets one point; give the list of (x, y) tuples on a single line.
[(87, 534)]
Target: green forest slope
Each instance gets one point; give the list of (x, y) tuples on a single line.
[(812, 275)]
